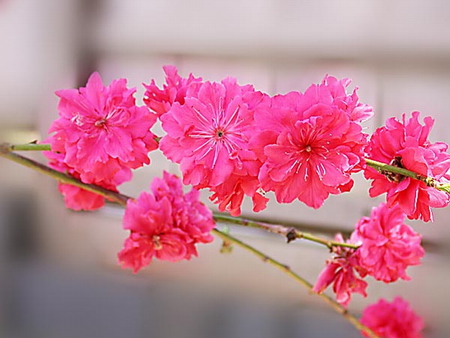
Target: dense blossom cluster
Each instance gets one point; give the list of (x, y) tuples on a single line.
[(393, 319), (387, 247), (165, 224), (236, 141)]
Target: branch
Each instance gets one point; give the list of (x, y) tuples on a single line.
[(61, 177), (287, 270), (384, 169), (32, 146), (289, 232)]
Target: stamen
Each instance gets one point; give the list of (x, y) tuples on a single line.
[(157, 242)]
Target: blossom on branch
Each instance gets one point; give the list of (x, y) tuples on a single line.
[(392, 320), (388, 246), (209, 137), (405, 144), (165, 224), (310, 143), (101, 132), (341, 271)]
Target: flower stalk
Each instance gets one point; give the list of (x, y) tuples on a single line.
[(32, 146), (287, 270), (386, 168), (289, 232), (59, 176)]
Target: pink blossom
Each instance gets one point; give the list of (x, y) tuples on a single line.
[(175, 90), (165, 224), (101, 131), (309, 145), (388, 246), (392, 320), (208, 136), (341, 272), (405, 144)]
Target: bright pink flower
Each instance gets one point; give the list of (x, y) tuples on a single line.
[(208, 136), (309, 145), (388, 246), (341, 272), (405, 144), (393, 320), (101, 131), (166, 224), (175, 90)]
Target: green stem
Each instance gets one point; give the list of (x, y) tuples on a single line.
[(289, 232), (287, 270), (26, 147), (386, 168), (62, 177), (379, 166)]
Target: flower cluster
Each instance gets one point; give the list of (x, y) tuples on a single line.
[(236, 141), (165, 224), (387, 247), (99, 137), (393, 320), (405, 144), (239, 142)]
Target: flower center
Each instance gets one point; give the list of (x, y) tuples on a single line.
[(308, 148), (100, 123), (220, 133), (157, 242)]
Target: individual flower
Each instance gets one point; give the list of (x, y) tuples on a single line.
[(101, 131), (166, 224), (392, 320), (341, 271), (405, 144), (209, 136), (175, 90), (310, 144), (388, 246)]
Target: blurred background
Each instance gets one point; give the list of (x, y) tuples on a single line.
[(59, 275)]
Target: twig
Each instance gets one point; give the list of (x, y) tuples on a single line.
[(287, 270)]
